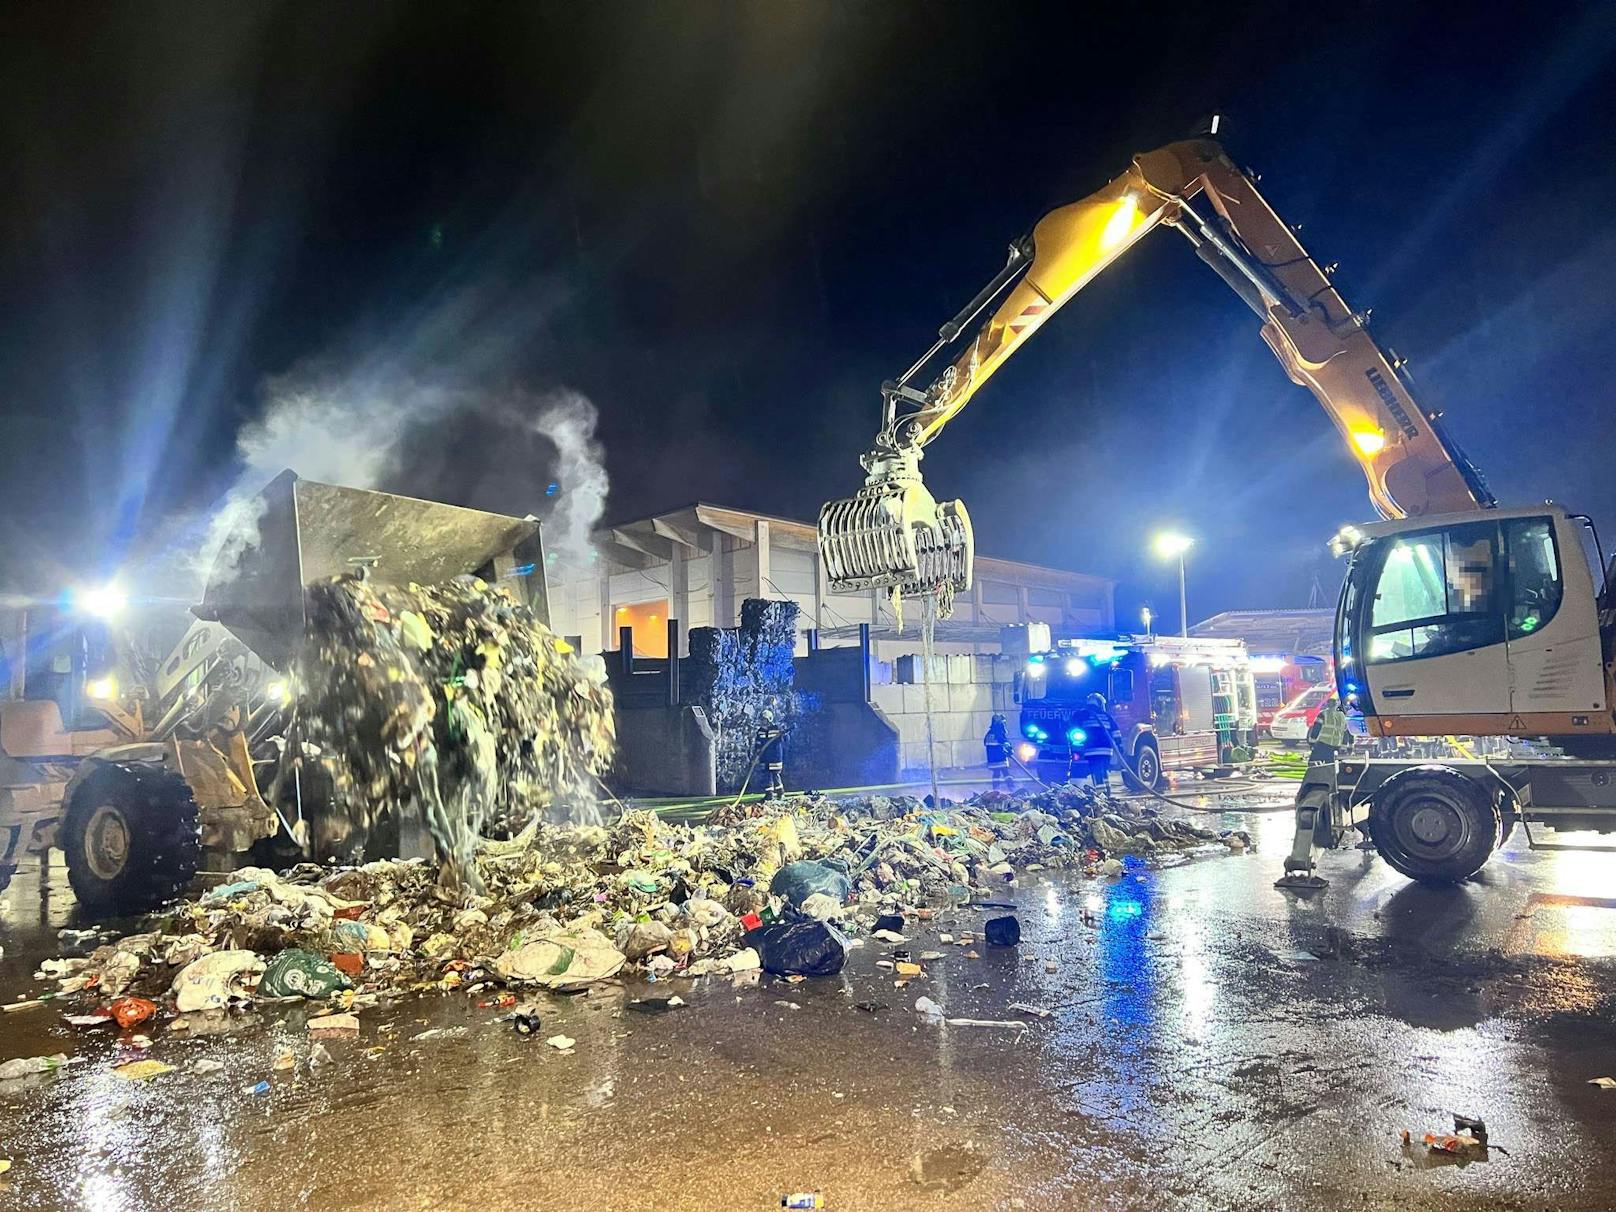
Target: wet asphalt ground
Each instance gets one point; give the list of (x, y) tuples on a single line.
[(1212, 1043)]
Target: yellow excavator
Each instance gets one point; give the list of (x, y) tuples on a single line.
[(1456, 616)]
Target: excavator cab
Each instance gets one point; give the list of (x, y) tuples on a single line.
[(1481, 624)]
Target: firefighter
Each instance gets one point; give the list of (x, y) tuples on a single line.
[(1328, 735), (996, 741), (770, 744), (1100, 749), (1315, 807)]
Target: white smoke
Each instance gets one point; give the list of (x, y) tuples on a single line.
[(568, 421), (396, 433), (325, 428), (329, 431)]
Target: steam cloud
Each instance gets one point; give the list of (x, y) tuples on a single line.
[(422, 439), (569, 424)]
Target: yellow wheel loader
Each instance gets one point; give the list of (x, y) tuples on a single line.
[(147, 782)]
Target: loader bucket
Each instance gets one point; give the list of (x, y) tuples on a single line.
[(301, 532), (892, 533)]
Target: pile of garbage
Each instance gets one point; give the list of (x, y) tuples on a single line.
[(451, 700), (565, 906)]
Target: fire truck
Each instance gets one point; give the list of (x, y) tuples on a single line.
[(1281, 680), (1179, 705)]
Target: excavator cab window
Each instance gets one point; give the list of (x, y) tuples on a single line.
[(1535, 585), (1436, 592)]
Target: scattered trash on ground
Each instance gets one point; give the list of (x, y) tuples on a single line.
[(330, 1025), (526, 1020), (27, 1066), (1025, 1008), (789, 888), (141, 1070), (1002, 931), (1604, 1083), (561, 1043), (298, 973), (1467, 1142), (808, 948), (130, 1011)]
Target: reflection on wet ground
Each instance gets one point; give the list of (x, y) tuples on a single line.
[(1213, 1043)]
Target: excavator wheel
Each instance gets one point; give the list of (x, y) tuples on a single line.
[(132, 837), (1434, 825)]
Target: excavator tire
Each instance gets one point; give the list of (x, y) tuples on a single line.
[(1434, 825), (132, 837)]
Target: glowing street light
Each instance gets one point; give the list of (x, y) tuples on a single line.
[(102, 601), (1170, 545)]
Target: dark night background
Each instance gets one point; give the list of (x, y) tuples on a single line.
[(726, 224)]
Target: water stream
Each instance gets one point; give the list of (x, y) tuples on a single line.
[(928, 659)]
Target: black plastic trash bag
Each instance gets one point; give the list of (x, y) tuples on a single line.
[(796, 882), (1002, 931), (807, 948)]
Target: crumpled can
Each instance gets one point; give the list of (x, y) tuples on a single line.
[(297, 973)]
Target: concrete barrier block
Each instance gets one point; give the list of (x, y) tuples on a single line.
[(911, 729), (914, 699), (912, 755), (953, 726), (970, 696), (890, 698)]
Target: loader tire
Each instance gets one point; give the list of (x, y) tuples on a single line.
[(132, 837), (1434, 825)]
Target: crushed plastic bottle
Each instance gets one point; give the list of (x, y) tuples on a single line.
[(27, 1066)]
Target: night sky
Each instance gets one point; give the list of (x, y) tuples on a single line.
[(726, 224)]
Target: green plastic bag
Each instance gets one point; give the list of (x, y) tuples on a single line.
[(296, 973)]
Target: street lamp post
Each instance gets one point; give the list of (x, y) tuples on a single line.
[(1171, 546)]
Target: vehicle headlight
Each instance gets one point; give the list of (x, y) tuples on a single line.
[(103, 690)]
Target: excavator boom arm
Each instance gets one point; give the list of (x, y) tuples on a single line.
[(1411, 466), (894, 534)]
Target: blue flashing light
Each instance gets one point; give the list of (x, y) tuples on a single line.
[(551, 488), (1032, 732), (1076, 736), (1035, 659)]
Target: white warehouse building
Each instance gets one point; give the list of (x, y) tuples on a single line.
[(698, 564)]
